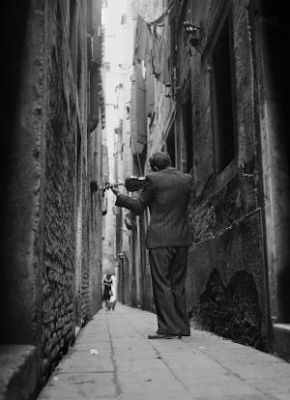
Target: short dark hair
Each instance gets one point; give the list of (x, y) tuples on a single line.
[(160, 160)]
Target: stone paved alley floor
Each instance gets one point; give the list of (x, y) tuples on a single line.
[(113, 359)]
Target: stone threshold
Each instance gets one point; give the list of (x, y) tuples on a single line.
[(281, 343)]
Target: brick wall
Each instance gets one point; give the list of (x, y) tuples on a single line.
[(51, 228), (59, 223), (68, 145)]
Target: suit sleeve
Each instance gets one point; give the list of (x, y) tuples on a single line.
[(137, 206)]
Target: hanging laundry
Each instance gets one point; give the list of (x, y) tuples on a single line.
[(157, 47), (138, 117), (143, 42), (150, 93), (153, 47)]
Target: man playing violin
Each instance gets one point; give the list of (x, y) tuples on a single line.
[(166, 191)]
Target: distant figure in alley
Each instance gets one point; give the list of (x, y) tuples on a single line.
[(109, 291), (166, 192)]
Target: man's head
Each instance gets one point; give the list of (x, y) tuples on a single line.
[(160, 160)]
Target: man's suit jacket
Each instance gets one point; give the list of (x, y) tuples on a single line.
[(167, 194)]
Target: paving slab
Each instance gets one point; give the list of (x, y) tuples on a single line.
[(113, 359)]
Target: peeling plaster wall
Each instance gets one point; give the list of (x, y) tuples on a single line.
[(226, 259)]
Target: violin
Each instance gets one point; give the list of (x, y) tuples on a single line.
[(132, 183)]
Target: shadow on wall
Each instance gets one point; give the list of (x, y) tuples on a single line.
[(233, 311)]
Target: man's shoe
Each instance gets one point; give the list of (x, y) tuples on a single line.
[(160, 336), (163, 336)]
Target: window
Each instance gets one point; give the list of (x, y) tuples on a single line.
[(222, 99), (123, 19)]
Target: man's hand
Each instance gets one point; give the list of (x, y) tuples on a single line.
[(114, 190)]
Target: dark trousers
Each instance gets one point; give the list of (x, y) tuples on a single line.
[(168, 269)]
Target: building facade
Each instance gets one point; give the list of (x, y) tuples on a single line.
[(51, 166), (215, 80)]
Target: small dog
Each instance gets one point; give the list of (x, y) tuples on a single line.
[(111, 303)]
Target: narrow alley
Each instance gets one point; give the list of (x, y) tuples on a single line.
[(113, 359), (141, 140)]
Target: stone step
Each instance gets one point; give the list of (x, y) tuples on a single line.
[(281, 343), (18, 371)]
